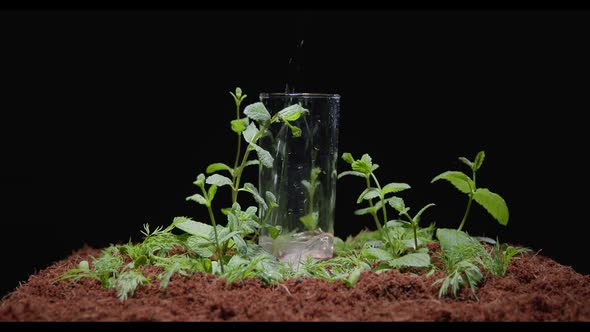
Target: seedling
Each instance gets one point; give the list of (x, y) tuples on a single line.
[(392, 232), (310, 220), (398, 204), (492, 202)]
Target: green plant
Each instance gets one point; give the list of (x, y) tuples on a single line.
[(365, 168), (463, 256), (394, 235), (398, 204), (310, 220), (258, 113), (492, 202)]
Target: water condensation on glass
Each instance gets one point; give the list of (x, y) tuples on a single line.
[(303, 177)]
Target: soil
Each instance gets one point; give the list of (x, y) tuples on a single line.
[(535, 288)]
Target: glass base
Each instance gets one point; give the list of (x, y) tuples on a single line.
[(296, 248)]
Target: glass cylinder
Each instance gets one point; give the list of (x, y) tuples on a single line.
[(303, 176)]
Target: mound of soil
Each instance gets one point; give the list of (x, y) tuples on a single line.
[(535, 288)]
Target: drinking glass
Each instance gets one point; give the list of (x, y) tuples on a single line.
[(303, 176)]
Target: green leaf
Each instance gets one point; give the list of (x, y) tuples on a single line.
[(377, 254), (458, 179), (271, 199), (355, 173), (347, 157), (197, 198), (310, 220), (200, 246), (257, 112), (274, 231), (291, 113), (264, 156), (394, 188), (239, 125), (368, 194), (295, 131), (371, 210), (219, 180), (419, 214), (240, 244), (374, 167), (354, 276), (225, 234), (251, 163), (466, 162), (306, 184), (140, 261), (315, 172), (211, 193), (479, 160), (417, 259), (200, 181), (238, 92), (249, 187), (219, 167), (493, 203), (195, 228), (364, 211), (397, 203), (250, 132), (451, 238), (364, 165)]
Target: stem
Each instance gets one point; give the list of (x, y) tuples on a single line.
[(414, 227), (466, 212), (234, 190), (238, 175), (212, 217), (239, 138), (415, 236), (374, 214), (263, 222), (240, 169), (468, 203), (382, 197)]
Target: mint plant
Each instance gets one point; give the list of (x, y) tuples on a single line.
[(251, 133), (492, 202), (398, 204), (393, 234)]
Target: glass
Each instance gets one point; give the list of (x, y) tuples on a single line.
[(303, 177)]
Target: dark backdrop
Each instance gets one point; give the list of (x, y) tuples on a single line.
[(107, 118)]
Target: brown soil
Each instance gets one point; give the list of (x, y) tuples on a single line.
[(535, 288)]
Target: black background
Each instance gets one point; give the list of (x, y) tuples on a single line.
[(107, 117)]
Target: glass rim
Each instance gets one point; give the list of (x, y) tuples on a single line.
[(298, 95)]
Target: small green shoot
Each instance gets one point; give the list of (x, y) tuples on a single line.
[(310, 220), (365, 168), (398, 204), (492, 202)]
